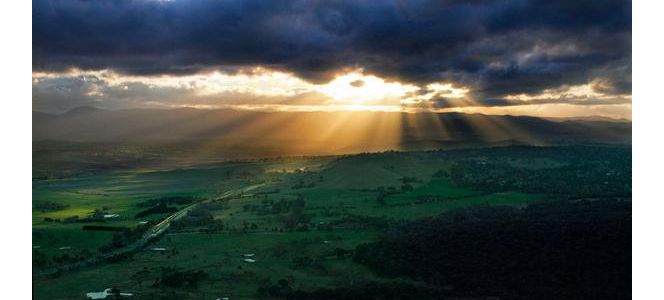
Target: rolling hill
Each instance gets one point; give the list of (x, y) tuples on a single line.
[(318, 132)]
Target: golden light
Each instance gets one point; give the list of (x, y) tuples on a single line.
[(357, 90), (354, 91), (436, 90)]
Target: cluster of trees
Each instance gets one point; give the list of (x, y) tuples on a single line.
[(292, 212), (561, 250), (384, 193), (581, 171), (41, 260), (410, 179), (161, 208), (361, 291), (161, 205), (96, 216), (125, 237), (301, 262), (441, 174), (269, 206), (296, 219), (430, 198), (282, 289), (274, 191), (176, 277), (200, 217), (170, 200), (302, 185), (45, 206), (71, 219), (104, 228)]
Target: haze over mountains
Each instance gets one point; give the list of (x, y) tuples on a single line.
[(305, 133)]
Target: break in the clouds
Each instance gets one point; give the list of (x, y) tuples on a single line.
[(496, 51), (252, 89)]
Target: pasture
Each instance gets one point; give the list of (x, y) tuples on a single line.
[(301, 222)]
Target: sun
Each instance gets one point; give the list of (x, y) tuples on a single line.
[(356, 90)]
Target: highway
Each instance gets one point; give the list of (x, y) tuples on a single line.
[(153, 233)]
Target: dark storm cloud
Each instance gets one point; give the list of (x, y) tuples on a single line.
[(493, 47)]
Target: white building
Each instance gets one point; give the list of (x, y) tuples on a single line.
[(107, 292)]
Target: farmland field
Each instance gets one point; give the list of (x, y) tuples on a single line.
[(277, 227)]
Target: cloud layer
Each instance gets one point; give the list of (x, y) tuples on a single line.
[(494, 48)]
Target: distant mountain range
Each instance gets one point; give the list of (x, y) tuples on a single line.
[(305, 133), (590, 118)]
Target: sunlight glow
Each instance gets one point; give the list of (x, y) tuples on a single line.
[(271, 90), (363, 90)]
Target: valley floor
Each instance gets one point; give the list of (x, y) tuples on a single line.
[(300, 225)]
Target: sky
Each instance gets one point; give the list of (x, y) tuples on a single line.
[(541, 58)]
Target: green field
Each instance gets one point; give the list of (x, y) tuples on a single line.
[(300, 221)]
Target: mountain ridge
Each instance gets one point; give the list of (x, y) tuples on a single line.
[(314, 132)]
